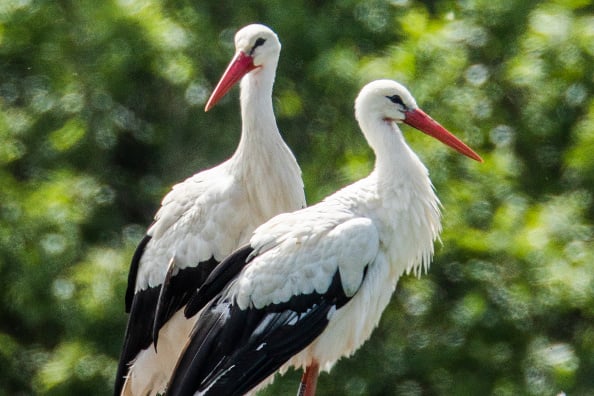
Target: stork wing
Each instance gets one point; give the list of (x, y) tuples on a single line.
[(134, 271), (160, 282), (281, 301), (151, 308), (218, 279), (176, 290), (140, 308)]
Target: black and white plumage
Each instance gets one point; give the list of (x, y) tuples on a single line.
[(311, 285), (205, 218)]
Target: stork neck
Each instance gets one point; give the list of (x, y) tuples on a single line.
[(256, 99), (409, 207), (259, 130), (395, 162), (262, 158)]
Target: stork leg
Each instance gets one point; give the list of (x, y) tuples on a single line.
[(309, 380)]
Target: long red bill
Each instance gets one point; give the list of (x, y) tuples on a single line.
[(420, 120), (240, 65)]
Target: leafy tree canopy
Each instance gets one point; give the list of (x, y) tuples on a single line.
[(101, 112)]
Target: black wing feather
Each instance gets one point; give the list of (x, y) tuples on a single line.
[(232, 350), (144, 304), (136, 321), (228, 269), (177, 289), (134, 271), (138, 332)]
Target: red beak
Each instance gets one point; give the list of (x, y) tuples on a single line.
[(240, 65), (420, 120)]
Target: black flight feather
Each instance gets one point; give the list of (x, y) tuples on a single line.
[(176, 290), (146, 304), (228, 269), (134, 271), (232, 350), (138, 332)]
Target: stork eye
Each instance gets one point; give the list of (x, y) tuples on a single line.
[(260, 41), (397, 100)]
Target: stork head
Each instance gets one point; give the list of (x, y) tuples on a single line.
[(256, 46), (390, 101)]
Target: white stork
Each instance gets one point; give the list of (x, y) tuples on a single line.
[(205, 218), (311, 285)]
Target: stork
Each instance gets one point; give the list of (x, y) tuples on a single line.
[(206, 217), (310, 286)]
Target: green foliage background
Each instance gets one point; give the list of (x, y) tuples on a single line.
[(101, 112)]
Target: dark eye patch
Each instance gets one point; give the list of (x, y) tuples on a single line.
[(260, 41), (397, 100)]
